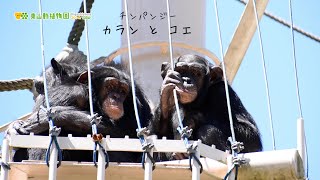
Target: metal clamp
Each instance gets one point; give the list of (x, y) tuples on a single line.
[(184, 132), (95, 119), (54, 131)]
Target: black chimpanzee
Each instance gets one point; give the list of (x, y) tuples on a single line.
[(68, 97), (202, 100), (114, 101)]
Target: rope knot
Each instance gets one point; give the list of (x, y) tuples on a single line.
[(184, 132), (95, 119), (54, 131)]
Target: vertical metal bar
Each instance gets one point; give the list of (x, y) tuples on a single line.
[(5, 159), (148, 163), (230, 166), (195, 165), (301, 141), (101, 162), (53, 162)]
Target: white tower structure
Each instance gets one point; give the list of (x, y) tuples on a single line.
[(148, 25)]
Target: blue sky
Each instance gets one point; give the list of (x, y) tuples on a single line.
[(21, 57)]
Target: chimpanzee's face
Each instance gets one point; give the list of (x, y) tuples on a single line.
[(112, 95), (192, 74)]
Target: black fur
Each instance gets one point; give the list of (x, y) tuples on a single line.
[(207, 115)]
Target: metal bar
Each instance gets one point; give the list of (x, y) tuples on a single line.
[(53, 162), (101, 163), (5, 159), (301, 142), (196, 165)]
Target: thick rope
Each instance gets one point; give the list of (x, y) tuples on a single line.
[(78, 26), (287, 24), (265, 75), (18, 84)]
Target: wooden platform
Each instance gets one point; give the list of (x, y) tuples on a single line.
[(38, 170), (280, 164)]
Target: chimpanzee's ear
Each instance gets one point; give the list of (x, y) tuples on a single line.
[(164, 68), (57, 68), (216, 74), (83, 77), (38, 84)]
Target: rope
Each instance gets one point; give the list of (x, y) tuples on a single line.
[(95, 120), (287, 24), (184, 132), (141, 132), (18, 84), (78, 26), (236, 167), (265, 75), (95, 154), (5, 165), (54, 135), (54, 131)]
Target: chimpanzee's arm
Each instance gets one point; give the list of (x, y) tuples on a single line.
[(66, 117)]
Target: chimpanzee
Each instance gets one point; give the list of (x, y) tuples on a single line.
[(68, 97), (112, 100), (203, 105)]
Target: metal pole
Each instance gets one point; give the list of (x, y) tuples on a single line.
[(230, 166), (53, 162), (301, 141), (5, 159), (101, 163), (196, 165), (148, 163)]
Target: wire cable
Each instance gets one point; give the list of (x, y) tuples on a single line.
[(265, 75), (296, 78), (141, 132), (94, 119), (224, 73), (53, 130)]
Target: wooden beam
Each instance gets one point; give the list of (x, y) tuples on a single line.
[(242, 37)]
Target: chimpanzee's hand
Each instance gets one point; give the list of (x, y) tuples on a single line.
[(171, 81), (16, 128)]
